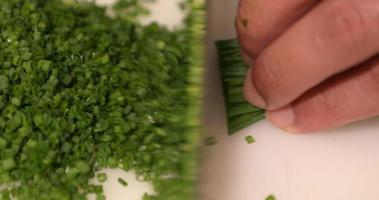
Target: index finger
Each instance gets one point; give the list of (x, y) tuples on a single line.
[(259, 22), (335, 36)]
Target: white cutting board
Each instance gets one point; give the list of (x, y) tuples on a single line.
[(341, 164), (338, 165)]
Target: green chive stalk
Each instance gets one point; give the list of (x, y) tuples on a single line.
[(240, 113)]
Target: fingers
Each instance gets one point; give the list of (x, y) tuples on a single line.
[(332, 37), (348, 97), (247, 59), (259, 22)]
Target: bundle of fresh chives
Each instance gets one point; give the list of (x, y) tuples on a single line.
[(240, 113)]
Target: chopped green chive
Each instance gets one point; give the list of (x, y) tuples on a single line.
[(101, 177), (122, 182), (249, 139), (82, 166), (45, 65), (76, 96), (16, 101), (4, 82), (211, 140), (3, 143), (8, 164), (26, 56)]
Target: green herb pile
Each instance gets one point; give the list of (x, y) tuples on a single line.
[(271, 197), (80, 91), (240, 113)]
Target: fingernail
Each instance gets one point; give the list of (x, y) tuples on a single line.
[(251, 93), (283, 118)]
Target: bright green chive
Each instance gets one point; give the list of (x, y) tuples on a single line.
[(27, 66), (101, 177), (3, 143), (45, 65), (249, 139), (211, 140), (16, 101), (66, 147), (240, 113), (82, 166), (122, 182), (8, 164), (4, 82), (26, 56)]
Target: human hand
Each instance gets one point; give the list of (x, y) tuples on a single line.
[(316, 63)]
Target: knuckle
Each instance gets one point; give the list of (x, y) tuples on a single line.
[(248, 43), (371, 83), (365, 83), (319, 110), (248, 36), (374, 72), (347, 21), (329, 101), (267, 79)]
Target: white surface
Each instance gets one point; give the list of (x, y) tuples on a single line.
[(337, 165), (113, 190), (165, 12)]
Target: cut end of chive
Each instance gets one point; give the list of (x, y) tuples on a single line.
[(122, 182), (210, 141), (240, 113), (101, 177), (250, 139), (271, 197)]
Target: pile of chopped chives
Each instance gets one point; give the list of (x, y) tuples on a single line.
[(80, 91)]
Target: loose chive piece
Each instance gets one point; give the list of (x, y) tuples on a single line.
[(240, 113), (210, 141), (101, 177), (250, 139), (271, 197), (122, 182), (8, 164)]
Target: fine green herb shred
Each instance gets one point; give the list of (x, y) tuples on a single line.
[(8, 164), (101, 177), (210, 141), (81, 91), (4, 82), (122, 182), (240, 113), (250, 139), (271, 197)]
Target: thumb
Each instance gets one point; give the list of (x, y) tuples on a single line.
[(345, 98)]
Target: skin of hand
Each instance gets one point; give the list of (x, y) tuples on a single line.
[(315, 63)]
